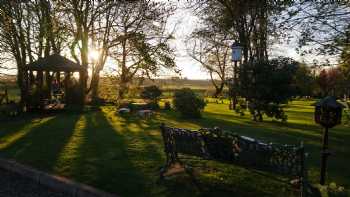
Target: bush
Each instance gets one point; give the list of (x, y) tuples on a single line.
[(332, 190), (167, 106), (151, 93), (188, 103)]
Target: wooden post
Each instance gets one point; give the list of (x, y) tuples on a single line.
[(235, 87), (31, 78), (40, 79), (325, 154), (26, 88), (58, 77), (66, 86), (48, 84)]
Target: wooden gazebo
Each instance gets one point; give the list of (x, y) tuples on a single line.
[(46, 74)]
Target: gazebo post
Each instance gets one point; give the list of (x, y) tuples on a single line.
[(48, 83), (58, 76), (40, 80), (66, 84), (26, 81), (31, 78)]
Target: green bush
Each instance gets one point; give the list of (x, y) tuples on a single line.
[(332, 190), (188, 103), (167, 106), (151, 93)]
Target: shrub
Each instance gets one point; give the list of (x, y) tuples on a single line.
[(188, 103), (332, 190), (151, 93), (167, 106)]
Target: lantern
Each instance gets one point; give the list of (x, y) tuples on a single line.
[(328, 112), (236, 52)]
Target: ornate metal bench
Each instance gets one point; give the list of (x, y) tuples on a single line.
[(215, 144)]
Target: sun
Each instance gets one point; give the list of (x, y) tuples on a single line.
[(94, 54)]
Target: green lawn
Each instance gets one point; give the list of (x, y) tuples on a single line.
[(123, 154)]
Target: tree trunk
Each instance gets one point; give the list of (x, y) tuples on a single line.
[(94, 87), (218, 90)]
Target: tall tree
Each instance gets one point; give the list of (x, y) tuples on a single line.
[(212, 51), (144, 42), (103, 38), (267, 84), (249, 22), (304, 80)]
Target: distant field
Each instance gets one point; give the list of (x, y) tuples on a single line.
[(109, 89), (12, 88)]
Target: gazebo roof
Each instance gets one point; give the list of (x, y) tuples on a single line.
[(55, 63)]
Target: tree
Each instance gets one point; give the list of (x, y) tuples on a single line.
[(152, 93), (251, 23), (321, 26), (143, 47), (212, 51), (332, 82), (267, 84), (84, 14), (304, 81)]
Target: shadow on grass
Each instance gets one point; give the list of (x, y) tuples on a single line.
[(123, 154), (42, 143)]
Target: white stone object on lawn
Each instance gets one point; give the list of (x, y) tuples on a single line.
[(145, 113), (124, 110)]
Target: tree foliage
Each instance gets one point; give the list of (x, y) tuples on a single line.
[(266, 84), (143, 47), (322, 26), (304, 81), (152, 93)]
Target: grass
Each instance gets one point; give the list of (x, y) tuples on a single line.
[(123, 155)]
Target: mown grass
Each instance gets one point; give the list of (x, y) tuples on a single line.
[(123, 154)]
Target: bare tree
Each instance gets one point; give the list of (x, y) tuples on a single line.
[(212, 51)]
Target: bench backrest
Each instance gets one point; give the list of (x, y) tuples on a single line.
[(215, 144)]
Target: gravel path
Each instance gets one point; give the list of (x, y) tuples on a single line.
[(13, 185)]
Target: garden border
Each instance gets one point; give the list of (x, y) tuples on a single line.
[(55, 182)]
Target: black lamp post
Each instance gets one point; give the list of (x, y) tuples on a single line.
[(236, 57), (328, 113)]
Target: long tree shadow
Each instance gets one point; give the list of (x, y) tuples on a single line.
[(103, 159), (41, 146), (13, 131)]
